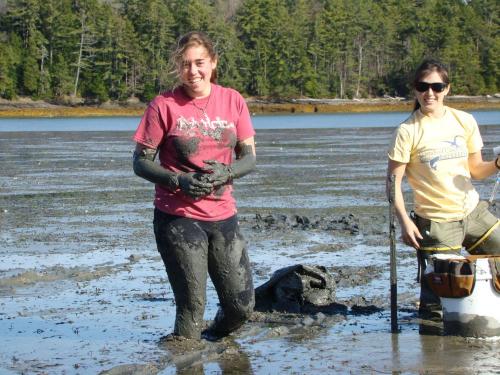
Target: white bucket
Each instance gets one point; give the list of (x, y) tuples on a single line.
[(477, 315)]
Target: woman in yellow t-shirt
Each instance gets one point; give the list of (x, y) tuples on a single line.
[(438, 148)]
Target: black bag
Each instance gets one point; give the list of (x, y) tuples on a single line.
[(296, 289)]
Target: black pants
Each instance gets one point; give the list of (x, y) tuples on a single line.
[(191, 248)]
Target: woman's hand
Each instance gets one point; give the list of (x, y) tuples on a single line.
[(193, 185), (218, 173), (410, 233)]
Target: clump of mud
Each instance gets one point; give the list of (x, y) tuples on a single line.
[(277, 222)]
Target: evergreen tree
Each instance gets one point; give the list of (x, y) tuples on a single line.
[(483, 29), (282, 48), (260, 24), (62, 77), (154, 25), (10, 53), (300, 79), (87, 38)]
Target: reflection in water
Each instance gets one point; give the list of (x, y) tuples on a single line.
[(228, 365), (192, 357), (455, 354), (196, 369), (239, 364), (428, 327), (396, 358)]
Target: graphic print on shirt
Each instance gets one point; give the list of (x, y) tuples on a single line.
[(210, 128), (190, 134), (444, 150)]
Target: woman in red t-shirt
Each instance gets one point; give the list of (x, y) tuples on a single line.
[(195, 129)]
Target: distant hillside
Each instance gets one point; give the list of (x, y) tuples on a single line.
[(95, 51)]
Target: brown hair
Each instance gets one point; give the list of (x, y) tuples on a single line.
[(194, 39), (427, 67)]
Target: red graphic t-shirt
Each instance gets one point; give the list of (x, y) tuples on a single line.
[(189, 131)]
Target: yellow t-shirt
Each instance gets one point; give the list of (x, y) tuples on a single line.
[(436, 152)]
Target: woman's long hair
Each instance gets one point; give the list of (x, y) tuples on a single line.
[(194, 39), (427, 67)]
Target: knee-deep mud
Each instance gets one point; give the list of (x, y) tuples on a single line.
[(83, 288)]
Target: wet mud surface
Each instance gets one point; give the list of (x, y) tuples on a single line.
[(83, 289)]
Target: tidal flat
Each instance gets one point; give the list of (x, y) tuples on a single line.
[(84, 291)]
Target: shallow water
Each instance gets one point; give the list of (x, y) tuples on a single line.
[(83, 290), (277, 121)]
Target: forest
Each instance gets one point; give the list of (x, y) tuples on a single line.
[(101, 50)]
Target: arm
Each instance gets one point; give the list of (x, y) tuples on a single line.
[(245, 158), (409, 231), (145, 167), (189, 183), (245, 163), (480, 169)]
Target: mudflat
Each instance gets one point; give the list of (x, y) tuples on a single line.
[(83, 289)]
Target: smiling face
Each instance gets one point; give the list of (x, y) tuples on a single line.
[(195, 71), (432, 102)]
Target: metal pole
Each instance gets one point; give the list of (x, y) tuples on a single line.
[(392, 239)]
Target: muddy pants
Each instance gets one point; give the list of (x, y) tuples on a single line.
[(189, 248), (479, 233)]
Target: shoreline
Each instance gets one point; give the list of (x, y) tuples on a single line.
[(27, 108)]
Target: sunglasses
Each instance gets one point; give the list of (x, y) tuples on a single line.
[(436, 87)]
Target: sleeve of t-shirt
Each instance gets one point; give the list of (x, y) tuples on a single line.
[(400, 147), (244, 127), (474, 141), (151, 130)]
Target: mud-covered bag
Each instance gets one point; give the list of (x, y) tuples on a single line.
[(295, 289), (451, 277)]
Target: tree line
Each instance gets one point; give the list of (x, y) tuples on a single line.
[(103, 50)]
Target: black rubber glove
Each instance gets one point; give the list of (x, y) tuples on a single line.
[(145, 167), (194, 184), (218, 173)]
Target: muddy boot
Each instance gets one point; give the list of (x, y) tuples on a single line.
[(431, 311), (212, 335), (226, 322), (430, 305)]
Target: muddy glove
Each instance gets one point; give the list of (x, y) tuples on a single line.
[(218, 173), (193, 185), (145, 167)]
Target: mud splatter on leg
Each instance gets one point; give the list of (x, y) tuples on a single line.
[(183, 246), (229, 269)]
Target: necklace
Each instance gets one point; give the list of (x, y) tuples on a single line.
[(202, 109)]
